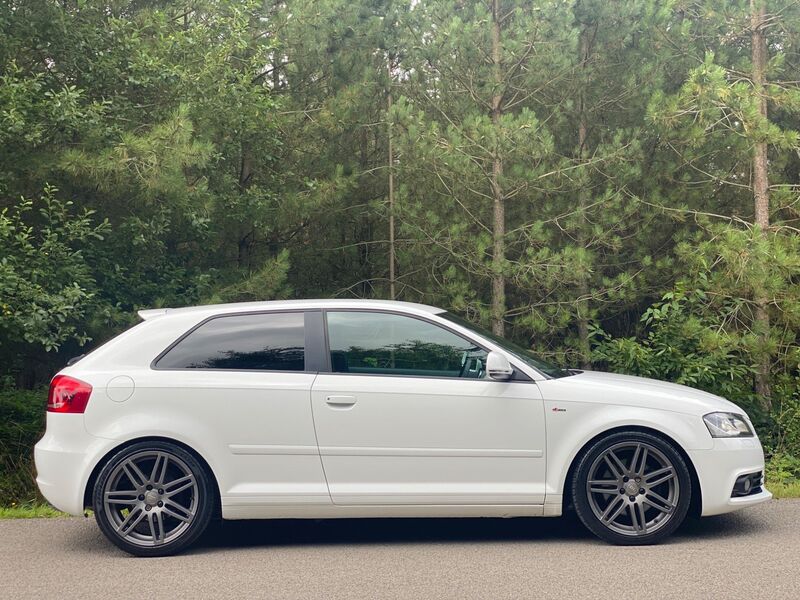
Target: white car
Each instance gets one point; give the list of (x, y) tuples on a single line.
[(354, 408)]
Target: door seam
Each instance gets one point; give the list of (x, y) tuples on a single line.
[(316, 437)]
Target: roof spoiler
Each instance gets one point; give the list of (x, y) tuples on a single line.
[(152, 313)]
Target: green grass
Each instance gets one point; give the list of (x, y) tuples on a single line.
[(784, 489), (30, 511)]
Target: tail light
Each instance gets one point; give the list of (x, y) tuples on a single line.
[(68, 395)]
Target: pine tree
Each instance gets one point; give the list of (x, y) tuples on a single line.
[(470, 144), (720, 125)]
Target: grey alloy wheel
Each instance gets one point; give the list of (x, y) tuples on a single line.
[(153, 498), (633, 488)]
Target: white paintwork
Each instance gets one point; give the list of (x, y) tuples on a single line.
[(120, 388), (415, 440), (498, 367), (314, 445)]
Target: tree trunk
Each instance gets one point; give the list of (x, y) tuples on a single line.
[(245, 179), (761, 190), (363, 226), (392, 291), (245, 166), (583, 284), (498, 213)]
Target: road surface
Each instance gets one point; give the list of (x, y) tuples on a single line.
[(751, 554)]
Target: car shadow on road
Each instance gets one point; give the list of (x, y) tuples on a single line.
[(389, 531), (272, 533)]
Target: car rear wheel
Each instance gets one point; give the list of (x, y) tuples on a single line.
[(153, 499), (632, 488)]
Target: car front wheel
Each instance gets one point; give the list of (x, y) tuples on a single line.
[(632, 488), (153, 499)]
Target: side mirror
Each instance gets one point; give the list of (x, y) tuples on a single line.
[(498, 367)]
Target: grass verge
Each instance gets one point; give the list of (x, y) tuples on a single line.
[(781, 489), (30, 511)]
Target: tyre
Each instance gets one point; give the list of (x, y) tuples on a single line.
[(153, 499), (631, 488)]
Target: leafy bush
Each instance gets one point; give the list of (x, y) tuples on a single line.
[(787, 416), (45, 282), (682, 344), (22, 415), (783, 468)]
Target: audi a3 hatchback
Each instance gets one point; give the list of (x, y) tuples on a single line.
[(338, 408)]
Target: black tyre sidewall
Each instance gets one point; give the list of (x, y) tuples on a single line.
[(205, 508), (581, 500)]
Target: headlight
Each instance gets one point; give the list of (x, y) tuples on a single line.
[(725, 425)]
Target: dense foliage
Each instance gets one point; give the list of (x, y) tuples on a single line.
[(613, 184), (21, 425)]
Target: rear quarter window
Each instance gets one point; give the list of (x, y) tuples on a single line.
[(258, 342)]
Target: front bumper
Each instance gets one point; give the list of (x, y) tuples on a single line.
[(65, 458), (718, 468)]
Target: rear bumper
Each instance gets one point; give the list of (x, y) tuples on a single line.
[(64, 459), (718, 468)]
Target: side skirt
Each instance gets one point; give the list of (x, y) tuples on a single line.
[(329, 511)]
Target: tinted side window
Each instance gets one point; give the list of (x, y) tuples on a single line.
[(384, 343), (268, 342)]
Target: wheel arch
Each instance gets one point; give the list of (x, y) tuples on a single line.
[(696, 505), (89, 489)]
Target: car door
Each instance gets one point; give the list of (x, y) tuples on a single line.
[(238, 388), (407, 415)]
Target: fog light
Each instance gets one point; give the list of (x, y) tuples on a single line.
[(747, 484)]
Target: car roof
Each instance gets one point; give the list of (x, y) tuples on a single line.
[(235, 307)]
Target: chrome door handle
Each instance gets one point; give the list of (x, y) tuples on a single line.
[(340, 400)]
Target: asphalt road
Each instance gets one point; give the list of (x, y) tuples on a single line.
[(751, 554)]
